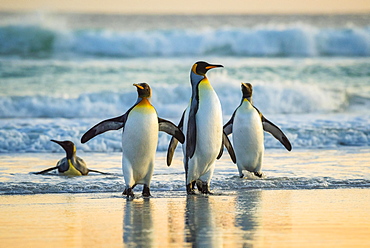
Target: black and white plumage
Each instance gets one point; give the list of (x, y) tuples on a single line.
[(140, 126), (247, 125), (201, 123)]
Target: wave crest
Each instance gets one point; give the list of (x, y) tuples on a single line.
[(274, 98), (269, 41)]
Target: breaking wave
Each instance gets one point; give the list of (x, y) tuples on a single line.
[(299, 40), (277, 98)]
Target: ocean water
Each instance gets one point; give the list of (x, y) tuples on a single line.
[(60, 74)]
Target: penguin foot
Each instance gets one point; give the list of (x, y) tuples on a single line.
[(128, 192), (258, 174), (203, 188), (200, 186), (192, 192), (146, 191), (190, 189), (241, 175), (125, 191)]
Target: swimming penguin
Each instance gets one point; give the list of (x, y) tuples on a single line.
[(71, 165), (139, 139), (247, 124), (202, 125)]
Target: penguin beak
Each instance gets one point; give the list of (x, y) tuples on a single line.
[(138, 86), (60, 143), (56, 141), (213, 66)]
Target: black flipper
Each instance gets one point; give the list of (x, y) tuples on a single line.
[(191, 135), (45, 171), (104, 173), (226, 142), (171, 129), (106, 125), (221, 150), (171, 150), (271, 128), (228, 127), (173, 143), (229, 147)]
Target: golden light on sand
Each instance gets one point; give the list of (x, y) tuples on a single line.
[(279, 218)]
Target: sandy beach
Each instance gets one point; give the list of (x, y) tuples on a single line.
[(252, 218)]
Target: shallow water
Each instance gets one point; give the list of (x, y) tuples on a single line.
[(298, 169)]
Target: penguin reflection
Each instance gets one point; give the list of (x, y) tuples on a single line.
[(138, 230), (200, 223), (247, 217)]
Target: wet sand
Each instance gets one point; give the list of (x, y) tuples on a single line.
[(249, 218)]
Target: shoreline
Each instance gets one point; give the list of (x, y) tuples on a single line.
[(293, 207), (295, 170)]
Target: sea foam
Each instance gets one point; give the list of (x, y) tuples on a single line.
[(300, 40), (171, 100), (303, 131)]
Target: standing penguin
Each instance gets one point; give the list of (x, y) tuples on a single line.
[(247, 125), (139, 139), (71, 165), (202, 125)]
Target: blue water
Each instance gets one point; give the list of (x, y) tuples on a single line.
[(62, 73)]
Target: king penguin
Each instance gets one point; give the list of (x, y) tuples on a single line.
[(71, 165), (139, 139), (201, 123), (247, 125)]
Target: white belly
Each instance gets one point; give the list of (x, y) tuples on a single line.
[(209, 125), (248, 138), (139, 144), (208, 137)]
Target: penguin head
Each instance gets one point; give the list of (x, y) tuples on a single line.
[(200, 68), (68, 146), (143, 90), (247, 91)]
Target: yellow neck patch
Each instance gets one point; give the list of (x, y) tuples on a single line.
[(248, 103), (144, 105), (205, 84), (72, 171)]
